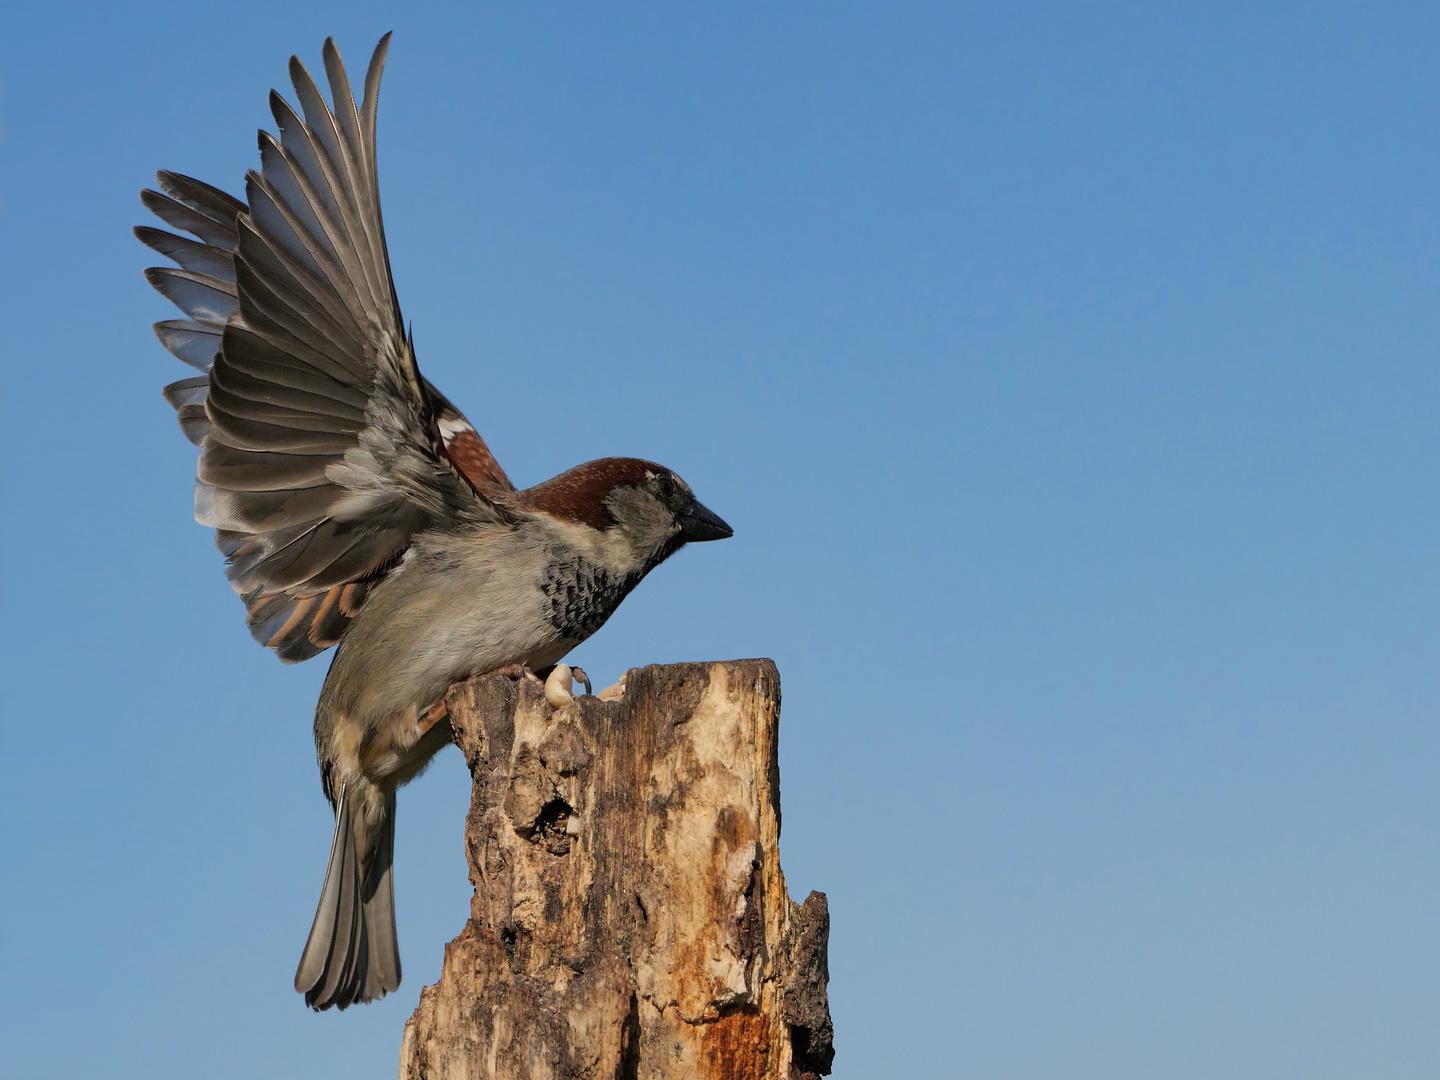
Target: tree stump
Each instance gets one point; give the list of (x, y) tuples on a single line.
[(630, 919)]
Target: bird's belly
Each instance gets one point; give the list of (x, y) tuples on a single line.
[(456, 651), (453, 644)]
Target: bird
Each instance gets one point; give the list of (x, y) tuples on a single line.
[(356, 506)]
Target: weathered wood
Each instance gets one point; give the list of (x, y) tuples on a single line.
[(630, 918)]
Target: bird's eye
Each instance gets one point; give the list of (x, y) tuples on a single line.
[(664, 487)]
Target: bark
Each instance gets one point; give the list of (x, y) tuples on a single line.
[(630, 918)]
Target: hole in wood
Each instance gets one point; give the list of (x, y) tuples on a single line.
[(549, 830)]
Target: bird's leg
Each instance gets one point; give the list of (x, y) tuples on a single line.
[(431, 716), (578, 674)]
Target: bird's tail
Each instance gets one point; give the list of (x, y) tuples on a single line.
[(352, 955)]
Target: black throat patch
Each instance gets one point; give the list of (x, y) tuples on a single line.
[(580, 596)]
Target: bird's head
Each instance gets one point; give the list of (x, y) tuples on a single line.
[(646, 505)]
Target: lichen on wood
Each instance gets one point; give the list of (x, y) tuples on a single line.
[(630, 919)]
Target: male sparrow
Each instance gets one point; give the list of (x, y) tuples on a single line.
[(357, 507)]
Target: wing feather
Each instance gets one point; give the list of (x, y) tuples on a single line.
[(295, 386), (187, 340), (188, 219), (311, 172), (206, 299), (190, 391), (240, 395), (191, 255), (221, 208), (338, 176), (241, 469)]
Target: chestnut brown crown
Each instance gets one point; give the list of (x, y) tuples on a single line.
[(629, 493)]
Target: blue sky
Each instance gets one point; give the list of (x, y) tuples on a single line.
[(1068, 373)]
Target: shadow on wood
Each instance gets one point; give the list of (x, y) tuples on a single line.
[(630, 918)]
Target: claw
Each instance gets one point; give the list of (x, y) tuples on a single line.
[(582, 678), (516, 672)]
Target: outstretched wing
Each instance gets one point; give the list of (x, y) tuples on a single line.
[(321, 446)]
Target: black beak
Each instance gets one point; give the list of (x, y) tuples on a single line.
[(698, 523)]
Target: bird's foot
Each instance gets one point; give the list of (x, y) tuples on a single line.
[(558, 683), (559, 686), (613, 693), (518, 672)]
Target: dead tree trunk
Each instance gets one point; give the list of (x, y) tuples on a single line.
[(630, 919)]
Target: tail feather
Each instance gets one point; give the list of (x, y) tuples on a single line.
[(352, 954), (382, 973)]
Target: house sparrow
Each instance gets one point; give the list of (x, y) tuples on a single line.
[(354, 503)]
